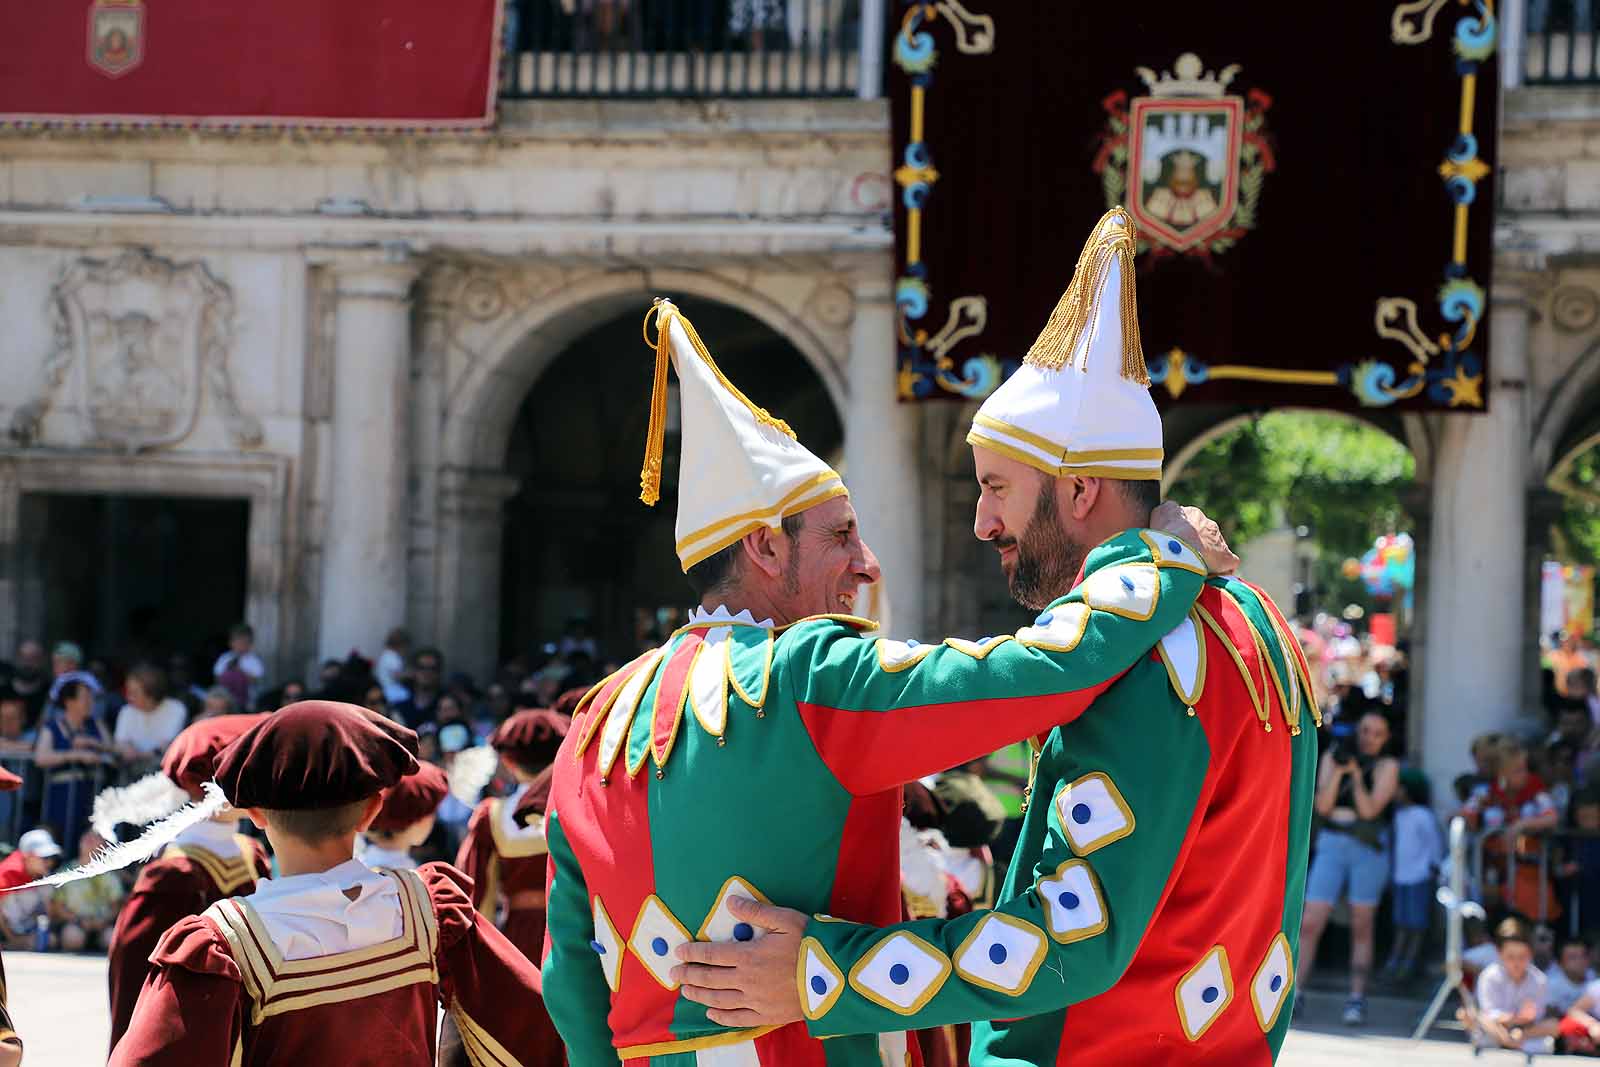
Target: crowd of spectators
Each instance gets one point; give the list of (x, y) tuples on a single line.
[(71, 727)]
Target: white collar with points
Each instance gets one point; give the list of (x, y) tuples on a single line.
[(698, 615)]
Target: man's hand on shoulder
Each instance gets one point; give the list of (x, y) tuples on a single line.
[(1193, 526), (747, 983)]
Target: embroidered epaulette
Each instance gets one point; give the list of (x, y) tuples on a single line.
[(637, 712), (1183, 652), (228, 874)]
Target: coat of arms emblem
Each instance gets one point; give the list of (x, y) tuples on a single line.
[(116, 36), (136, 340), (1188, 159)]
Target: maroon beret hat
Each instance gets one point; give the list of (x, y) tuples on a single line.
[(531, 738), (315, 754), (191, 759), (411, 799)]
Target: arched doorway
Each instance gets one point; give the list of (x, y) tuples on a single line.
[(1323, 508), (581, 556)]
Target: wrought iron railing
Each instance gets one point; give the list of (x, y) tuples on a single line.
[(1561, 42), (687, 48)]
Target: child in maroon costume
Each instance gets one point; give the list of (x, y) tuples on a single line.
[(204, 865), (505, 850), (332, 962)]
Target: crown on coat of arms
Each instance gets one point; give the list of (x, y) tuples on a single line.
[(1188, 77)]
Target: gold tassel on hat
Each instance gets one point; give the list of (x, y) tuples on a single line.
[(1113, 239), (655, 437)]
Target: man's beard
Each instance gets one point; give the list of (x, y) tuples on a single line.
[(1048, 558)]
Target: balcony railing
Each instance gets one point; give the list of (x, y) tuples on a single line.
[(692, 48), (1561, 39)]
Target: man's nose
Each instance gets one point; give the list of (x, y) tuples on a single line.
[(868, 570), (986, 524)]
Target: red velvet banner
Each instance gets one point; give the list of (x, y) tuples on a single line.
[(357, 63)]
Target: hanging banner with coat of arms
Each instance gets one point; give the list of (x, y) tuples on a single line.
[(1313, 195), (399, 64)]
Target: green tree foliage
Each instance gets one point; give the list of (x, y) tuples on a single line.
[(1340, 478), (1577, 532)]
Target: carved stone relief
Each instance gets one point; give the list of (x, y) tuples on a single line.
[(136, 341)]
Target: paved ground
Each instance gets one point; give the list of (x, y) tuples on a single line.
[(59, 1004)]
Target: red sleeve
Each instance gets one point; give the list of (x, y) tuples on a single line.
[(476, 856), (191, 1009), (484, 981), (167, 891)]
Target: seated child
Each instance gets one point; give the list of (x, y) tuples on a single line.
[(1511, 995)]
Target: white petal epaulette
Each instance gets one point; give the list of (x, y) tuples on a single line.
[(1127, 589), (1057, 629), (1183, 651)]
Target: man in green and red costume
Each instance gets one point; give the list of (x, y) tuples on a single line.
[(758, 754), (1152, 909)]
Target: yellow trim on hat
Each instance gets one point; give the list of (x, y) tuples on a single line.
[(754, 520), (773, 512), (1127, 474), (1067, 456)]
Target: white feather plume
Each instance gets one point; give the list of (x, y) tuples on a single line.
[(471, 772), (150, 798), (155, 838)]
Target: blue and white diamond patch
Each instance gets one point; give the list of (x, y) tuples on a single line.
[(655, 939), (1204, 992), (1129, 590), (1057, 629), (821, 981), (720, 925), (902, 973), (1073, 906), (1001, 953), (1168, 551), (901, 655), (1271, 986), (607, 945), (1093, 813)]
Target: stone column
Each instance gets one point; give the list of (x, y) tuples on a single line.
[(471, 531), (365, 541), (1476, 587), (1544, 508), (882, 455)]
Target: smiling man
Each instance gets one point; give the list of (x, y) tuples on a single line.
[(1152, 910), (758, 754)]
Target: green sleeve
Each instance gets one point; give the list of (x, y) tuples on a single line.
[(1098, 856), (575, 989), (881, 712)]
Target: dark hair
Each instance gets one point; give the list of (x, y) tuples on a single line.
[(1142, 494), (70, 691), (9, 695), (716, 570), (241, 629), (429, 651), (1512, 929), (1568, 941)]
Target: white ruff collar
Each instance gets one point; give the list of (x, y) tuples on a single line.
[(698, 614)]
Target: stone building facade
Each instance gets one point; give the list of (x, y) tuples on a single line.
[(340, 336)]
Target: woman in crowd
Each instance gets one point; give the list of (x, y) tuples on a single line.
[(1355, 786), (73, 750), (149, 720)]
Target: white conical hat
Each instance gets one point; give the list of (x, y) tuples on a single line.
[(741, 468), (1080, 403)]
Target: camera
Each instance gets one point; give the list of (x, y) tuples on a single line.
[(1343, 748)]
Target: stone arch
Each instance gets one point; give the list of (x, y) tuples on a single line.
[(1569, 415), (482, 408), (1188, 430)]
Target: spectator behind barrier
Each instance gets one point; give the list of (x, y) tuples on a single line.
[(1511, 998)]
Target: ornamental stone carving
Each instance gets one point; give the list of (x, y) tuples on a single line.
[(137, 341), (1574, 309)]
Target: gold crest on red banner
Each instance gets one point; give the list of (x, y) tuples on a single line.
[(116, 36)]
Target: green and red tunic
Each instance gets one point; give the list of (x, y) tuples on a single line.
[(739, 759), (1151, 914)]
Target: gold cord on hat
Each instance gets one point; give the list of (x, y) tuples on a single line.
[(1113, 240), (656, 435)]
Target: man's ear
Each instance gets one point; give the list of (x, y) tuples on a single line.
[(767, 550), (1083, 496), (374, 805), (255, 816)]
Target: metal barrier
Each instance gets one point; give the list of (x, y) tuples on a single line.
[(689, 48), (1457, 907), (1561, 43), (1497, 877)]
